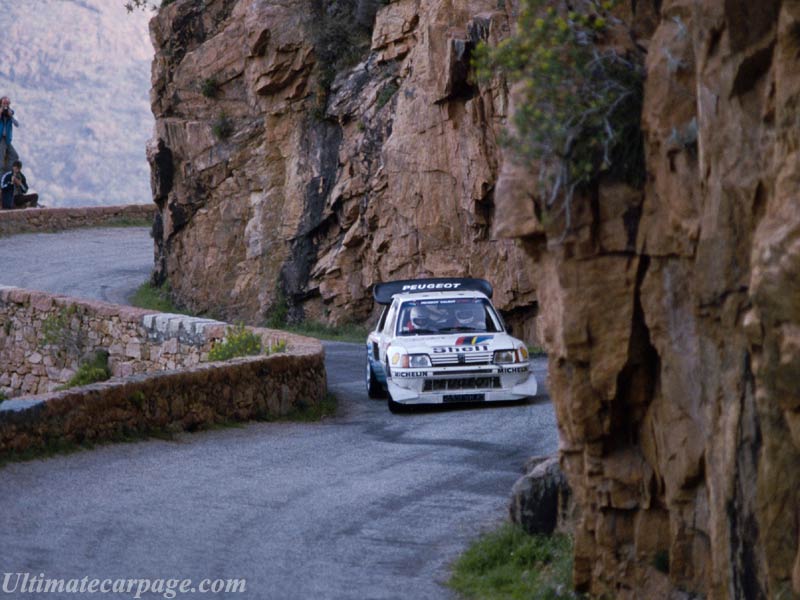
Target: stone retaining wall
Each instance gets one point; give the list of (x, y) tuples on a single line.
[(36, 220), (161, 377), (44, 336)]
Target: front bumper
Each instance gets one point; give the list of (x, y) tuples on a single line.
[(485, 383)]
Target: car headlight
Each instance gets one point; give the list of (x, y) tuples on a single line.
[(502, 357), (522, 352), (415, 361)]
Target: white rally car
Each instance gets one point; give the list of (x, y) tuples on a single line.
[(440, 341)]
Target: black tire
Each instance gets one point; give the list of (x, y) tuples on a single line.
[(374, 388)]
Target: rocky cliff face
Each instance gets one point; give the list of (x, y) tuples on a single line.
[(672, 318), (671, 314), (272, 191)]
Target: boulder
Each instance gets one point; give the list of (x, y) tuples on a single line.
[(541, 499)]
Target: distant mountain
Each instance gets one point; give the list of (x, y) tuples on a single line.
[(78, 75)]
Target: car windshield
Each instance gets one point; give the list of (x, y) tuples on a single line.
[(451, 315)]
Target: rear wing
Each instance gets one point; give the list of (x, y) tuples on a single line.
[(383, 292)]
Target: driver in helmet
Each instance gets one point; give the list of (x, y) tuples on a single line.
[(471, 316), (418, 318)]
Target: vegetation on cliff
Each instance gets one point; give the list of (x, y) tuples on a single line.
[(132, 5), (580, 97), (509, 564)]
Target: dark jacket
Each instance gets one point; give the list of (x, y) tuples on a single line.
[(9, 190), (7, 123)]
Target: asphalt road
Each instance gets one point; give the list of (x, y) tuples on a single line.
[(106, 263), (365, 505)]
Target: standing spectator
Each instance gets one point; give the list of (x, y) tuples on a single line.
[(7, 122), (14, 188)]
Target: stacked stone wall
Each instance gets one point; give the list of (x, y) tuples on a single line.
[(43, 220), (161, 377)]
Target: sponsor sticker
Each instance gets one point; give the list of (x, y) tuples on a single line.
[(473, 340), (449, 349), (411, 374), (413, 287), (523, 369)]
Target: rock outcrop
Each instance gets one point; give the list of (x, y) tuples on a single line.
[(541, 501), (671, 314), (672, 318), (272, 191)]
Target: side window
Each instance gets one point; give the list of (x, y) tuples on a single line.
[(388, 325), (494, 322), (382, 320)]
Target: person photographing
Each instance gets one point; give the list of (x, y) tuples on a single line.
[(7, 122), (14, 189)]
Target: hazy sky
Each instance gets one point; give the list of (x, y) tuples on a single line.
[(78, 74)]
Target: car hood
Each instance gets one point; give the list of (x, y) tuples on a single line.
[(455, 342)]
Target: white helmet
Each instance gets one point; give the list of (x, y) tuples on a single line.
[(420, 317), (471, 315)]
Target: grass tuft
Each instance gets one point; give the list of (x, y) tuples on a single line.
[(509, 564), (90, 371), (156, 298)]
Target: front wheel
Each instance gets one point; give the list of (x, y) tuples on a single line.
[(374, 388)]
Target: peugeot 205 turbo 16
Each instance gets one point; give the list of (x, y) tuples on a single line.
[(441, 341)]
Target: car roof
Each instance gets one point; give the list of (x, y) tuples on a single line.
[(384, 292), (439, 295)]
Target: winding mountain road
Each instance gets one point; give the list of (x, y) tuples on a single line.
[(106, 263), (366, 505)]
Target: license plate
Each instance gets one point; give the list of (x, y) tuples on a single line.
[(464, 397)]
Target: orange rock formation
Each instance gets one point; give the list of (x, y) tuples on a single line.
[(393, 178), (672, 318)]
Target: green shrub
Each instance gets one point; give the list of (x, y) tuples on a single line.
[(132, 5), (386, 93), (239, 341), (209, 87), (279, 312), (580, 109), (3, 397), (91, 370), (222, 128), (278, 347), (57, 331)]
